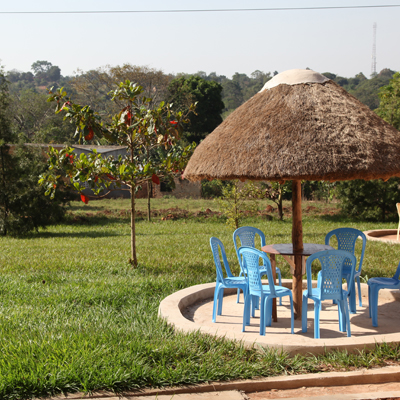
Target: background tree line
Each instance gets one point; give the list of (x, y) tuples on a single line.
[(217, 95), (31, 119)]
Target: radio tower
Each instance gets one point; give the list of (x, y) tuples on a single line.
[(373, 65)]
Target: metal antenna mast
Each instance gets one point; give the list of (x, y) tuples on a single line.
[(373, 65)]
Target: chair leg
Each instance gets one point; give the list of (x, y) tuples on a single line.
[(359, 291), (303, 313), (238, 291), (254, 305), (369, 301), (317, 311), (263, 309), (342, 316), (215, 305), (280, 284), (353, 298), (268, 312), (292, 314), (246, 311), (374, 305), (347, 318), (220, 300)]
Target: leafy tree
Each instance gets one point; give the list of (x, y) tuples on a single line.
[(232, 94), (275, 191), (23, 205), (33, 119), (369, 200), (45, 72), (142, 130), (389, 107), (236, 200), (207, 95), (16, 76), (93, 87), (41, 66)]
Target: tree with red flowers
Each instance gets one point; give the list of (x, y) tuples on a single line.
[(144, 131)]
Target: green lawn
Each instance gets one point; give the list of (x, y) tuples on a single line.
[(76, 317)]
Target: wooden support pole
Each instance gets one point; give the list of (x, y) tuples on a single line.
[(297, 241), (273, 267)]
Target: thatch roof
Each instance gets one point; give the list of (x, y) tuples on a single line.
[(310, 131)]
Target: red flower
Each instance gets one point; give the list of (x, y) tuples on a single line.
[(109, 176), (155, 179), (174, 123), (84, 198), (128, 118), (90, 135)]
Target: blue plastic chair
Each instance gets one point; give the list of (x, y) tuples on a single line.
[(374, 286), (329, 287), (346, 238), (251, 262), (223, 282), (247, 237)]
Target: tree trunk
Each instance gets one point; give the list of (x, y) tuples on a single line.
[(133, 259), (297, 241), (5, 194), (280, 205), (149, 189)]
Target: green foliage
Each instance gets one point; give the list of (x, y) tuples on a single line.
[(369, 200), (241, 88), (323, 190), (389, 107), (212, 189), (364, 89), (209, 105), (236, 200), (93, 87), (275, 191), (23, 205), (45, 72), (33, 118)]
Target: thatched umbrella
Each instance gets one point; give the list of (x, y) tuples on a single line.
[(300, 126)]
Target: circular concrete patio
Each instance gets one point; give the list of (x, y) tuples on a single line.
[(190, 310), (383, 235)]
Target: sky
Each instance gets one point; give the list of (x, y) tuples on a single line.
[(338, 41)]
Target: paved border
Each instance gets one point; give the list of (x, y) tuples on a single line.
[(378, 235), (171, 310), (323, 379)]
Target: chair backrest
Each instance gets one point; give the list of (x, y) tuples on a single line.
[(346, 238), (251, 266), (330, 279), (217, 247), (246, 236)]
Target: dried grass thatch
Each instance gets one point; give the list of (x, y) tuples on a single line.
[(310, 131)]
